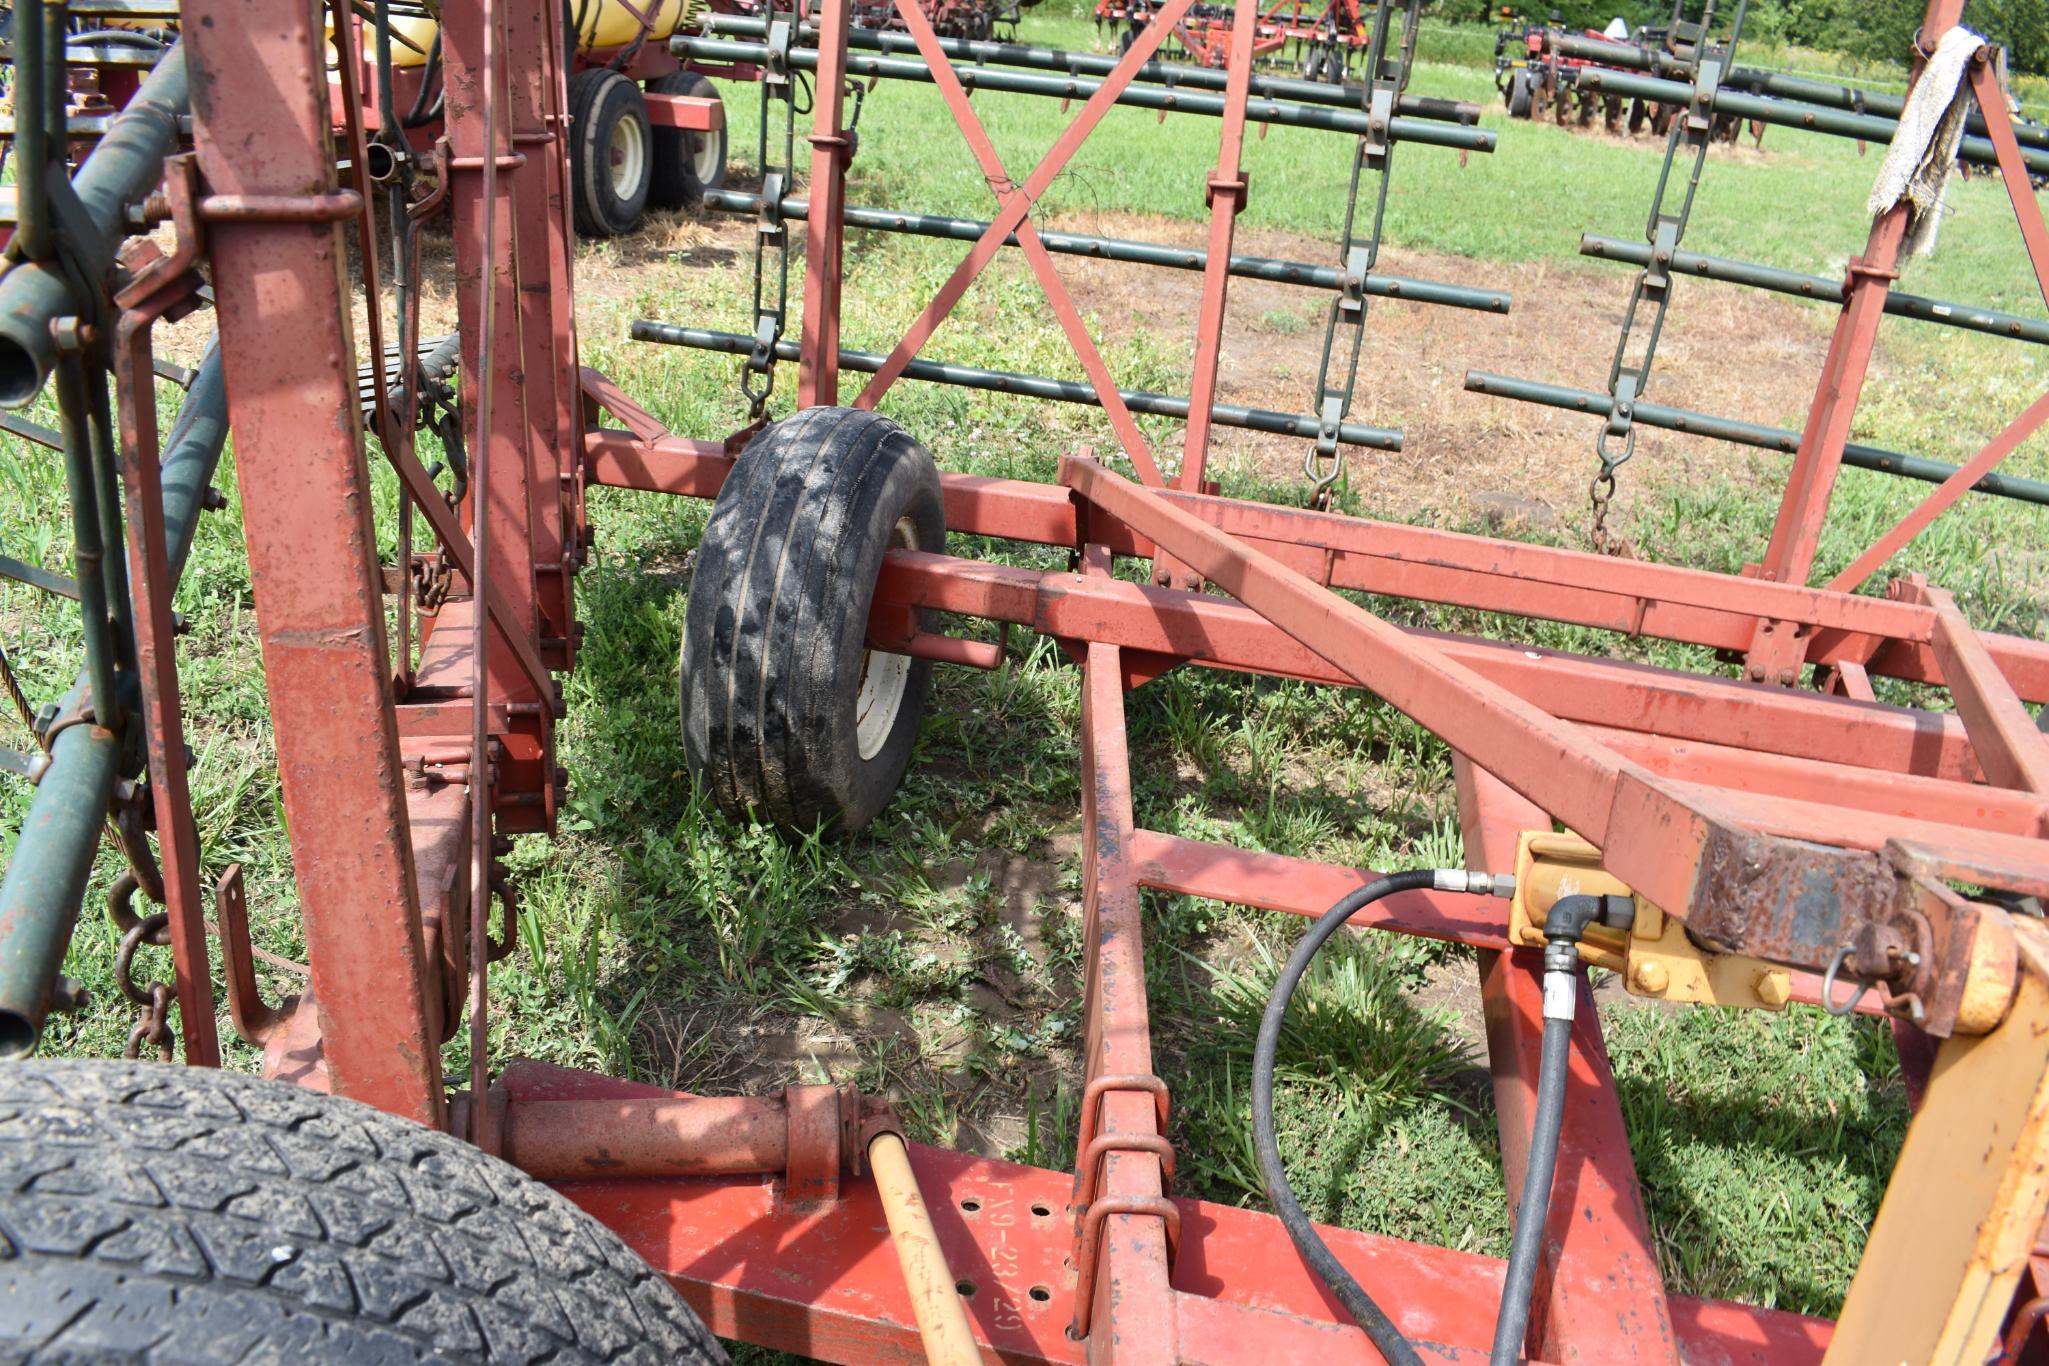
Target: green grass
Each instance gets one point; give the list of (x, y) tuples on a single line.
[(936, 957)]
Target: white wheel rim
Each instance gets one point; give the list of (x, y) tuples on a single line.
[(628, 155), (704, 154), (884, 677)]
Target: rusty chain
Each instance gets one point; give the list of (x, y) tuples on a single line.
[(153, 1002), (1629, 372), (1386, 73), (757, 371)]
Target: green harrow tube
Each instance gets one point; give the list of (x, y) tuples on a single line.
[(1856, 456), (1266, 268), (1177, 74), (1788, 114), (1918, 306), (1355, 121), (1775, 83), (1029, 386), (124, 167), (46, 879)]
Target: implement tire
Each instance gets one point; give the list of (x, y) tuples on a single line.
[(686, 164), (150, 1212), (611, 152), (787, 715)]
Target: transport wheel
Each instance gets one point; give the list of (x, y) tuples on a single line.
[(1519, 95), (685, 164), (151, 1212), (786, 712), (610, 152)]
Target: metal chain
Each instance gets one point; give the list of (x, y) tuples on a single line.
[(15, 694), (757, 372), (153, 1018), (1386, 73), (1630, 371)]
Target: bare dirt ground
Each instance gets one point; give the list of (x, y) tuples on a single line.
[(1560, 328)]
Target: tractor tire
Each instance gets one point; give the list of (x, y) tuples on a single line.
[(1519, 95), (183, 1213), (787, 714), (610, 152), (685, 164)]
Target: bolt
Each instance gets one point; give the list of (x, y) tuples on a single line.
[(1786, 677), (213, 500), (1757, 673), (1650, 978), (1773, 987)]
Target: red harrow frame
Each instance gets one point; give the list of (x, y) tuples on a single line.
[(1787, 833)]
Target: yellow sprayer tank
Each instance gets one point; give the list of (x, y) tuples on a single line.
[(599, 23)]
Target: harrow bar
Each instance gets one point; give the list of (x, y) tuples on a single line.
[(1855, 454), (1177, 74), (1270, 269), (1400, 128), (1028, 386)]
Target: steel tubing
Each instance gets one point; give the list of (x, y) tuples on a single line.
[(46, 880), (1987, 320), (1775, 83), (1787, 113), (1266, 268), (1856, 456), (1399, 127), (122, 169), (45, 883), (1091, 64), (1031, 386), (562, 1140)]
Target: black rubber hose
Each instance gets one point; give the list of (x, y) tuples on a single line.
[(1368, 1315), (1534, 1210)]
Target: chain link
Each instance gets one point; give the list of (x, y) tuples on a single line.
[(1630, 371), (153, 1018), (757, 372), (1344, 329)]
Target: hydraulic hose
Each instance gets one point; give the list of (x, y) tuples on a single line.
[(1567, 921), (1386, 1337), (1532, 1211)]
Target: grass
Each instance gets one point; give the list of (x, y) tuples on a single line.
[(936, 956)]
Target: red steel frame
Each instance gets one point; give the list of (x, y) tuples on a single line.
[(1665, 771)]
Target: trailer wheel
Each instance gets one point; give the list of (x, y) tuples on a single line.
[(786, 712), (685, 164), (152, 1212), (610, 152), (1519, 95)]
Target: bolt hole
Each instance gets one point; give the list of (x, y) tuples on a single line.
[(1044, 1211), (971, 1204), (966, 1289), (1040, 1293)]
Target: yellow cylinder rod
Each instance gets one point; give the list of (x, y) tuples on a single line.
[(942, 1320)]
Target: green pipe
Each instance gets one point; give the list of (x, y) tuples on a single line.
[(124, 167), (1787, 113), (90, 544), (46, 880), (1856, 456), (1179, 74), (1778, 83), (31, 141), (1919, 306), (1030, 386), (1355, 121), (1139, 253)]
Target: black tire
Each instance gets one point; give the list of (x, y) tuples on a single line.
[(608, 117), (1638, 114), (182, 1213), (1519, 95), (685, 164), (1126, 39), (777, 676)]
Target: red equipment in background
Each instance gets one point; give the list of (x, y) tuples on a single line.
[(1768, 827)]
